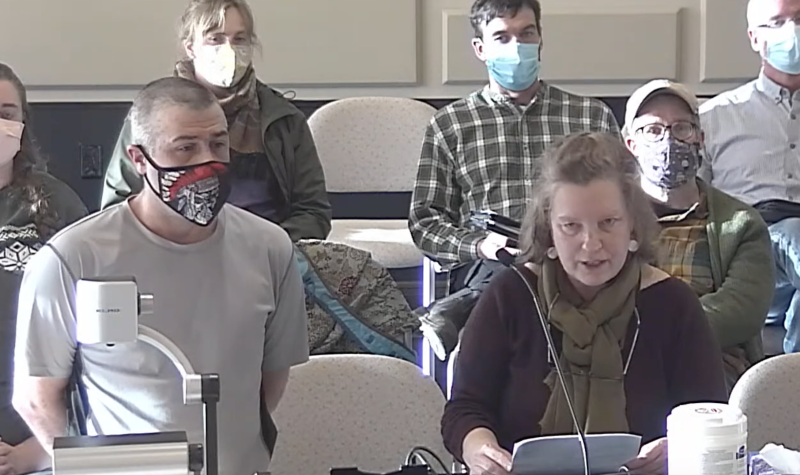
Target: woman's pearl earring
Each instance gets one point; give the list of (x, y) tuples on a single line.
[(633, 246), (552, 253)]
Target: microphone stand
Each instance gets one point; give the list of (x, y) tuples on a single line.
[(508, 260)]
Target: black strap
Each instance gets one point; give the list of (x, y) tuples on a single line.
[(773, 211), (77, 403)]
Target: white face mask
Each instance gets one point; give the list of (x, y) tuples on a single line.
[(222, 65), (10, 139)]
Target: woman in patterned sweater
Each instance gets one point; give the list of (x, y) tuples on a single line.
[(33, 207)]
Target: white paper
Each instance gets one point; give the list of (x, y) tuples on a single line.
[(780, 458), (562, 455)]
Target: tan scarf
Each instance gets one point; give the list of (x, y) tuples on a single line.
[(241, 107), (591, 356)]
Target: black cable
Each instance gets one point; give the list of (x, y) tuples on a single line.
[(422, 453)]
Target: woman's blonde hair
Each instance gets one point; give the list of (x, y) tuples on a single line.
[(202, 16), (580, 159)]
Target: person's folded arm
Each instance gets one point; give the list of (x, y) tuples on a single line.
[(121, 179), (738, 309), (481, 371), (311, 212), (436, 202), (45, 346)]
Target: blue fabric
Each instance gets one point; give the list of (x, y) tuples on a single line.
[(783, 51), (367, 338), (785, 236)]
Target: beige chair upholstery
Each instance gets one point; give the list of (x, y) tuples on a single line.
[(767, 395), (362, 411), (389, 240), (372, 144)]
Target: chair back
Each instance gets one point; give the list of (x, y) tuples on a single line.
[(766, 394), (370, 144), (363, 411)]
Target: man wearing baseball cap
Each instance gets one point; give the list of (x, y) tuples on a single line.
[(714, 242)]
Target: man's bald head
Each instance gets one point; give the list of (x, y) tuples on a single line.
[(753, 8), (766, 12), (159, 95)]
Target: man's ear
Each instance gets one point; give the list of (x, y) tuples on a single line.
[(188, 49), (757, 44), (136, 157), (477, 48), (630, 144)]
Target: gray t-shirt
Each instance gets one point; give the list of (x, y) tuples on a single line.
[(233, 303)]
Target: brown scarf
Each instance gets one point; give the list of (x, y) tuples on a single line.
[(591, 355), (241, 107)]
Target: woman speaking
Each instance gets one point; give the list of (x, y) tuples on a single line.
[(633, 341)]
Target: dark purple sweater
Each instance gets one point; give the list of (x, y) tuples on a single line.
[(500, 372)]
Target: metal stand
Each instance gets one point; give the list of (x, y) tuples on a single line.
[(210, 397)]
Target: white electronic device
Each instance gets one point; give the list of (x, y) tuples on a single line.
[(107, 313)]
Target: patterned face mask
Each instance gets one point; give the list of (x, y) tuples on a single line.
[(668, 163), (196, 192)]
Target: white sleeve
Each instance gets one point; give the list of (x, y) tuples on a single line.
[(45, 340), (286, 331)]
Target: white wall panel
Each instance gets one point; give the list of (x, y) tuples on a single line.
[(338, 42), (725, 50), (105, 50), (87, 43), (109, 43)]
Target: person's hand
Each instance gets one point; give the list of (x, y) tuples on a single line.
[(493, 242), (7, 460), (652, 458), (483, 455)]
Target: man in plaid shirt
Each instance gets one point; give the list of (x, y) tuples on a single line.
[(480, 153)]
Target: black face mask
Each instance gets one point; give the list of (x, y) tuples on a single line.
[(196, 192)]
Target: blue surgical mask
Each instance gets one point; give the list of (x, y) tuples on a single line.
[(783, 50), (514, 66)]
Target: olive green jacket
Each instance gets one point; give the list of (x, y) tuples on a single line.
[(743, 271), (292, 156)]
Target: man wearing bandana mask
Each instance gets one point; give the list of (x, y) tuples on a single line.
[(714, 242), (479, 154), (234, 305), (274, 169)]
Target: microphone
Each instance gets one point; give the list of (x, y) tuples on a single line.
[(508, 260)]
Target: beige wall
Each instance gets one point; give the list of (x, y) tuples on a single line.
[(98, 50)]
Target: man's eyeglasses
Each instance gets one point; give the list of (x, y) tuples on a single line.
[(779, 23), (683, 130)]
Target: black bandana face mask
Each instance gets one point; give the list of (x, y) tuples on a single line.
[(196, 192)]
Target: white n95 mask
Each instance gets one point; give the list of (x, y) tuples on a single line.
[(223, 65), (10, 139)]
